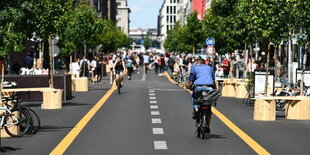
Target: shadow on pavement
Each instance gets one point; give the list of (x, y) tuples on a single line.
[(74, 104), (215, 136), (51, 128)]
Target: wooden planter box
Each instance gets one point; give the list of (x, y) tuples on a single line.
[(80, 84)]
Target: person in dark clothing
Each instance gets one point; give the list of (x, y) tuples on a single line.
[(28, 60), (129, 66), (99, 69)]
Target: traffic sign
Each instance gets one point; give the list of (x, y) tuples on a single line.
[(210, 42), (210, 50)]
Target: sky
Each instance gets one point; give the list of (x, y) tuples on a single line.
[(144, 13)]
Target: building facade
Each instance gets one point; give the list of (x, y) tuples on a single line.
[(122, 16), (138, 36), (184, 8), (167, 18), (105, 9)]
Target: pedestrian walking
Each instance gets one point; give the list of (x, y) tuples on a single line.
[(226, 67), (75, 68), (85, 66), (146, 62), (93, 70), (99, 69), (129, 66)]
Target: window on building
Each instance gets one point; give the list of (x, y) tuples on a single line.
[(174, 19), (170, 9), (171, 21), (167, 27), (119, 3), (119, 19), (167, 9), (174, 9), (167, 19)]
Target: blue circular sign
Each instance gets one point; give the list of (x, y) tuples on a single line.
[(210, 42)]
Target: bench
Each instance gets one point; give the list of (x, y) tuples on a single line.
[(52, 98), (297, 108)]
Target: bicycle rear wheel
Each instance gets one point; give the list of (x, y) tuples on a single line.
[(203, 127), (18, 124), (35, 123)]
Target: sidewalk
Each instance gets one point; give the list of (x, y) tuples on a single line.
[(55, 124)]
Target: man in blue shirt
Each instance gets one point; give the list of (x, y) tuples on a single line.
[(202, 77)]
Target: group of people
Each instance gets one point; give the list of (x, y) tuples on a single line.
[(83, 67)]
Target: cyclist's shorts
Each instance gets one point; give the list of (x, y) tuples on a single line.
[(118, 71)]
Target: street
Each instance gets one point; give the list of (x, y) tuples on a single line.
[(153, 116)]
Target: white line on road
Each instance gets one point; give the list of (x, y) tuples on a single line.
[(160, 145), (143, 76), (153, 102), (152, 94), (156, 121), (158, 131), (152, 98), (152, 91), (154, 112), (153, 107)]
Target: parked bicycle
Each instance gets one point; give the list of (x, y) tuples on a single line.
[(14, 103), (204, 103), (14, 122)]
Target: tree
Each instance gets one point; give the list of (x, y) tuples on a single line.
[(193, 32), (12, 36), (147, 42)]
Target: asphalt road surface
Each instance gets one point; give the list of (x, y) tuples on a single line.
[(153, 116)]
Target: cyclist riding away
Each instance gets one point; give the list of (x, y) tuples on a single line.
[(203, 80), (119, 67)]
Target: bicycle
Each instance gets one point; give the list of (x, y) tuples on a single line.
[(205, 101), (15, 103), (13, 120)]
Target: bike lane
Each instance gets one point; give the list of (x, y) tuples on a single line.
[(152, 117)]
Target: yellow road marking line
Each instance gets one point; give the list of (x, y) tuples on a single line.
[(66, 142), (246, 138)]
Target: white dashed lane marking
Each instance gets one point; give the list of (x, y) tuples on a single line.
[(153, 102), (153, 107), (154, 113), (160, 145), (158, 131), (156, 121)]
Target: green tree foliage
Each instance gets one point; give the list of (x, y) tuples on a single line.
[(76, 24), (175, 40), (11, 34), (147, 42), (186, 38)]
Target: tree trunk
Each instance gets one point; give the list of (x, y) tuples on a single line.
[(246, 59), (2, 79), (194, 51), (51, 69), (267, 72)]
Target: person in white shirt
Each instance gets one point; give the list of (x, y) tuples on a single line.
[(75, 68), (146, 62), (111, 66), (93, 66)]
